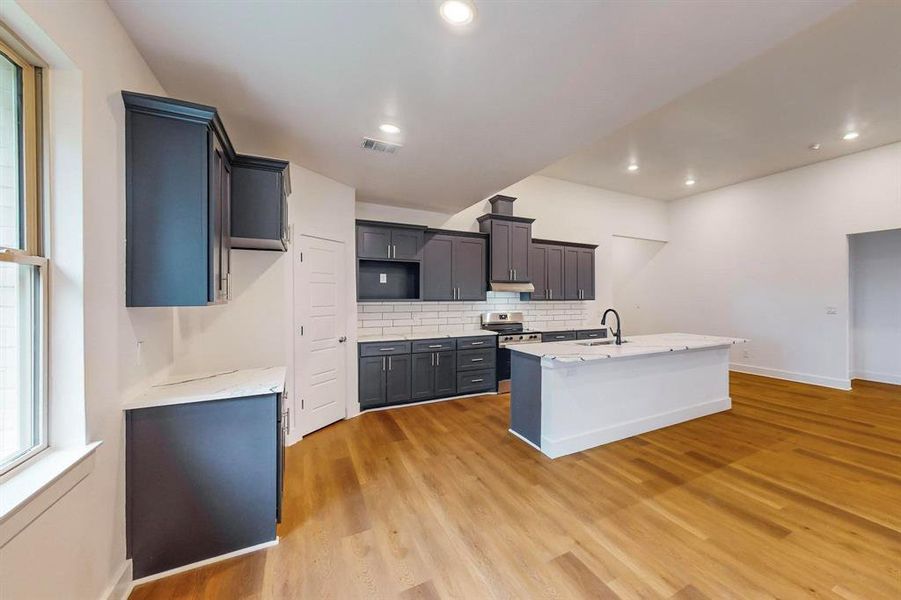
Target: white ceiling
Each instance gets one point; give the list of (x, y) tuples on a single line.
[(760, 118), (526, 84)]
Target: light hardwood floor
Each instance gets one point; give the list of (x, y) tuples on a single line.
[(794, 493)]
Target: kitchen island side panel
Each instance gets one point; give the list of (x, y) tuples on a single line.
[(525, 396)]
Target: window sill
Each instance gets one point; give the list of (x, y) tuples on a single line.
[(31, 491)]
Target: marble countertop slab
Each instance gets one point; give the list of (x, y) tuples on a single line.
[(238, 383), (428, 335), (633, 346)]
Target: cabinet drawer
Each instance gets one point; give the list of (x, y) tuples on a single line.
[(476, 381), (384, 348), (558, 336), (590, 334), (485, 341), (476, 359), (433, 345)]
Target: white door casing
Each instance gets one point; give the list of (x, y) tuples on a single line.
[(320, 347)]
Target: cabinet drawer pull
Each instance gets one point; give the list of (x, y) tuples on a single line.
[(476, 343), (477, 359), (559, 337), (386, 349), (389, 363), (476, 380), (436, 345)]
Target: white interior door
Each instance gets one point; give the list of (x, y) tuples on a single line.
[(320, 359)]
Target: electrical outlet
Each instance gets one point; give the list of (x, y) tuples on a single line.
[(831, 310), (139, 354), (383, 278)]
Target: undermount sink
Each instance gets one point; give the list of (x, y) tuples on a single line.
[(606, 342)]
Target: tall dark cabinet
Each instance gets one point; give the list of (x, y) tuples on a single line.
[(510, 239), (578, 272), (454, 266), (259, 214), (178, 186), (546, 269)]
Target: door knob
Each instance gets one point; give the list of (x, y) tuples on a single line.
[(342, 339)]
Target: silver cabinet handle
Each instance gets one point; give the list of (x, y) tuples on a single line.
[(514, 274), (389, 250), (389, 363), (476, 343), (386, 349), (437, 360), (394, 251), (436, 346), (433, 359), (383, 363), (477, 359), (476, 380)]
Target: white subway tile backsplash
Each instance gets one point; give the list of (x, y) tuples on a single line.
[(379, 318)]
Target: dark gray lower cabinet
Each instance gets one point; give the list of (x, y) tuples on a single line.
[(202, 479), (372, 381), (397, 378), (434, 375)]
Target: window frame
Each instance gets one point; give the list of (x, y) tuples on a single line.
[(31, 251)]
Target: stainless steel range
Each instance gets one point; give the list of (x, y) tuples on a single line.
[(510, 330)]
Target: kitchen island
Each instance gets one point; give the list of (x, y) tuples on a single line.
[(569, 396)]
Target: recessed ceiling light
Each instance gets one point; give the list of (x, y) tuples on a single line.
[(457, 12), (632, 167), (851, 135), (815, 146), (690, 181), (389, 128)]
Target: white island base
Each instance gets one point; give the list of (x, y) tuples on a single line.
[(566, 397)]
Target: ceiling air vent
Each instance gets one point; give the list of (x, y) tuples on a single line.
[(380, 146)]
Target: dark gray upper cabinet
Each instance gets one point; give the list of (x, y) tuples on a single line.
[(510, 239), (585, 273), (546, 270), (389, 241), (454, 267), (177, 186), (259, 206), (577, 268)]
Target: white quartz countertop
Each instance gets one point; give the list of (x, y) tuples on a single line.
[(427, 335), (184, 389), (633, 346)]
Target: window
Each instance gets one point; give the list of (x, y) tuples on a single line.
[(23, 269)]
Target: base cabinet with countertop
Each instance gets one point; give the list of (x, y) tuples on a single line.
[(204, 469), (398, 372)]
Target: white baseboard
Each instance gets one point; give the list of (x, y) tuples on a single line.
[(877, 377), (121, 587), (568, 445), (201, 563), (830, 382), (524, 439)]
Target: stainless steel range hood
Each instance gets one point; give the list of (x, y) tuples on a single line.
[(506, 286)]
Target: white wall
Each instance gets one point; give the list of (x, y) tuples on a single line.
[(876, 306), (76, 548), (630, 257), (562, 211), (765, 258)]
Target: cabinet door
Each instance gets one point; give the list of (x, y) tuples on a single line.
[(500, 251), (445, 373), (372, 381), (406, 244), (537, 271), (570, 273), (437, 268), (586, 273), (554, 270), (398, 378), (469, 268), (520, 243), (218, 205), (373, 242), (423, 376)]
